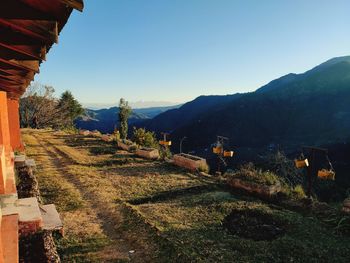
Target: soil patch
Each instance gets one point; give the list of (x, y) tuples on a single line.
[(254, 224)]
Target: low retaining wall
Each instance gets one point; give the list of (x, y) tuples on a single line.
[(148, 153), (106, 138), (262, 190), (84, 132), (125, 146), (188, 161)]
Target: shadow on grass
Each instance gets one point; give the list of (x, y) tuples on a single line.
[(172, 194), (143, 167)]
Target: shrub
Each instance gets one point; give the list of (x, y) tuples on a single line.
[(249, 173), (204, 168), (283, 167), (116, 135), (165, 152), (298, 192), (145, 138)]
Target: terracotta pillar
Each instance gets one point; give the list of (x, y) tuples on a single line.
[(1, 248), (4, 125), (9, 235), (3, 171), (14, 125)]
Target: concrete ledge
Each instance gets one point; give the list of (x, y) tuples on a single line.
[(51, 218), (27, 209), (148, 153), (188, 161), (20, 160)]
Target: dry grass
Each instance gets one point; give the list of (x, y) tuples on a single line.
[(112, 202)]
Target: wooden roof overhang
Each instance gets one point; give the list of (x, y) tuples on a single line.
[(28, 29)]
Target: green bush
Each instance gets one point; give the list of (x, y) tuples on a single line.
[(249, 173), (298, 192), (204, 168), (145, 138)]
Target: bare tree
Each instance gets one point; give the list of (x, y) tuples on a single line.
[(39, 108)]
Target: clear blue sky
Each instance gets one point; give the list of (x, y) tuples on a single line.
[(176, 50)]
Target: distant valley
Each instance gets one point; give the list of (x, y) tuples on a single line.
[(105, 120)]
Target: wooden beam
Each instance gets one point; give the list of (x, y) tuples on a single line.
[(18, 73), (76, 4), (30, 65), (15, 79), (13, 88), (32, 52), (16, 9), (44, 31)]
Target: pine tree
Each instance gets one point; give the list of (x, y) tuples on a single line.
[(70, 108)]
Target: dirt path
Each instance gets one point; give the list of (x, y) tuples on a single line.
[(108, 212)]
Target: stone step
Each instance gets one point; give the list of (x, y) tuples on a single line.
[(51, 218), (29, 217)]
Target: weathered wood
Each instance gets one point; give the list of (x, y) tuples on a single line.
[(45, 31), (28, 65), (22, 51), (76, 4)]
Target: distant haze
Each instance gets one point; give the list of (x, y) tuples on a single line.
[(134, 105)]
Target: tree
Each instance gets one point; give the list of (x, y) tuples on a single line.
[(124, 113), (38, 107), (70, 108)]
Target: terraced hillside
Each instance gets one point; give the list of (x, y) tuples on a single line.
[(117, 207)]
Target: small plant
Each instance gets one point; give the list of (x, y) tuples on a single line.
[(204, 168), (133, 148), (299, 192), (116, 134), (165, 152)]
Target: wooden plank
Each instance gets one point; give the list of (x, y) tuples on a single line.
[(17, 80), (15, 9), (45, 31), (76, 4), (32, 52), (18, 73), (30, 65)]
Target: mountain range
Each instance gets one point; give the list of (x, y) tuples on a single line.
[(296, 109)]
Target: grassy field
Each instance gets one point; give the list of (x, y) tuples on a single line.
[(117, 207)]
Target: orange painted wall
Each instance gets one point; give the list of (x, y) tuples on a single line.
[(4, 124), (9, 236), (14, 125)]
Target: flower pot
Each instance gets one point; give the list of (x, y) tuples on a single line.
[(301, 163), (326, 174), (165, 143), (188, 161), (148, 153), (228, 153)]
